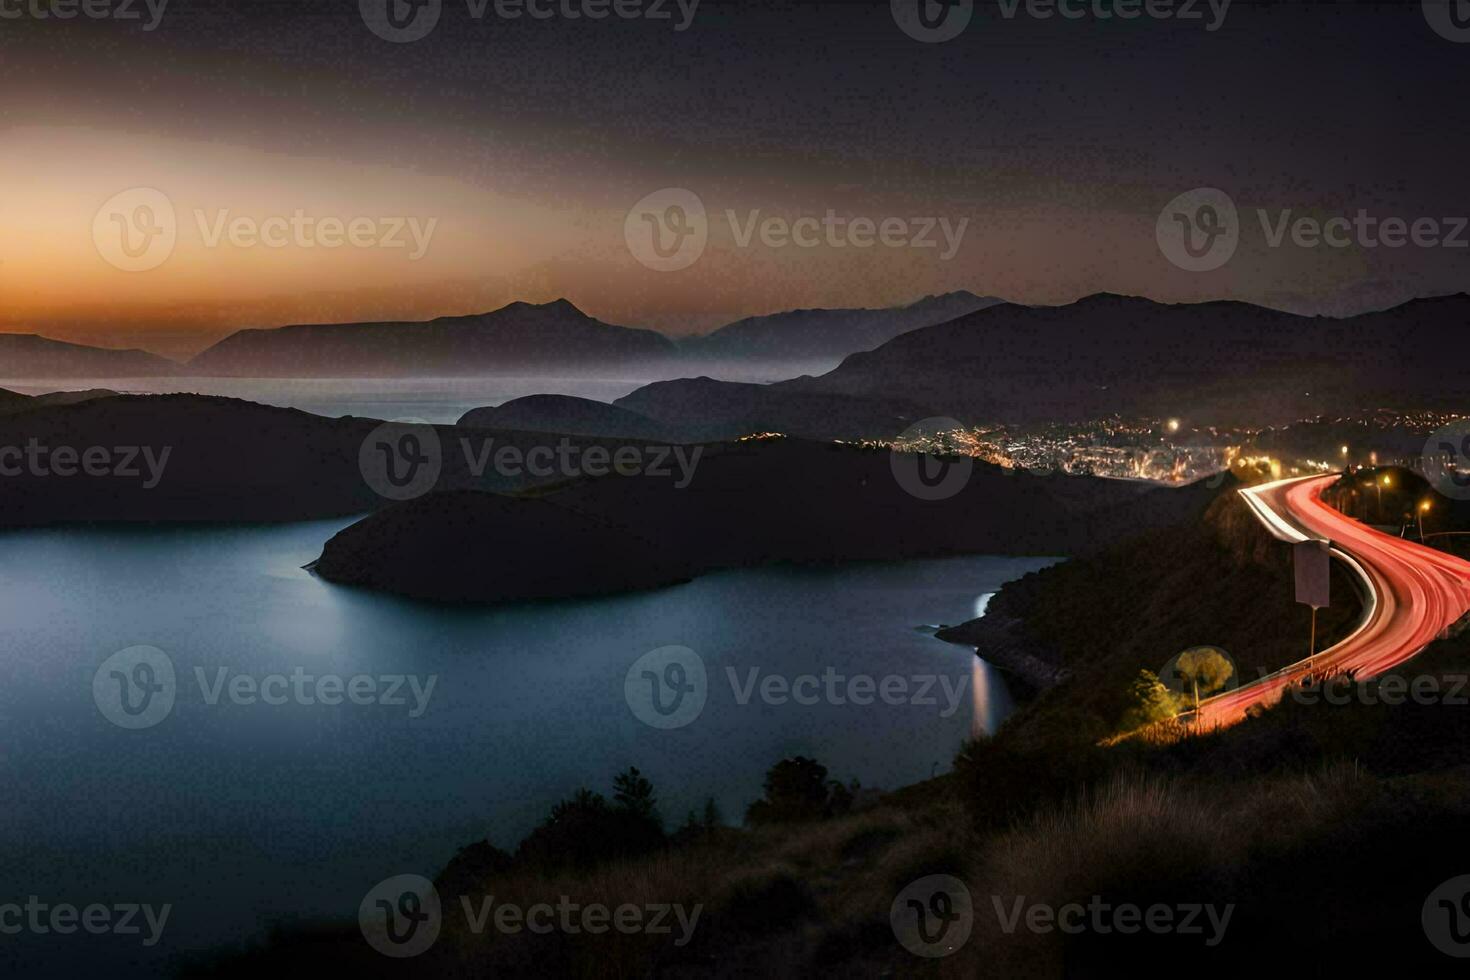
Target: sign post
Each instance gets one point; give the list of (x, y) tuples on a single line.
[(1313, 565)]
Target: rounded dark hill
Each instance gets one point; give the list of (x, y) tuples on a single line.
[(567, 415), (14, 401), (181, 458), (742, 505), (11, 401), (712, 410), (465, 546)]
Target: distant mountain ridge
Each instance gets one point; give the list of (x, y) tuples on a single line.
[(829, 333), (25, 355), (1224, 362), (557, 335), (517, 337)]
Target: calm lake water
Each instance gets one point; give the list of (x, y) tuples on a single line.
[(244, 814)]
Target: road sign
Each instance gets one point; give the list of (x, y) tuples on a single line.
[(1313, 573)]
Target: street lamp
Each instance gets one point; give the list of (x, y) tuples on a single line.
[(1423, 509), (1386, 481)]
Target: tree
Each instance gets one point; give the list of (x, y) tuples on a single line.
[(473, 869), (634, 794), (712, 816), (1203, 671), (586, 830), (1150, 701), (797, 790)]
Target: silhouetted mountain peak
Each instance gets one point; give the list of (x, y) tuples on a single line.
[(519, 336), (34, 356), (560, 306), (949, 298), (1113, 300)]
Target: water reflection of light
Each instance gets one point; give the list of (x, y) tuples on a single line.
[(980, 717)]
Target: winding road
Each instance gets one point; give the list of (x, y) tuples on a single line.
[(1411, 592)]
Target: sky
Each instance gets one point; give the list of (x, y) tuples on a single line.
[(154, 166)]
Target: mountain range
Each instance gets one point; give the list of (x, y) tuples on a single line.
[(1217, 363), (518, 338), (1226, 363), (28, 356), (816, 335)]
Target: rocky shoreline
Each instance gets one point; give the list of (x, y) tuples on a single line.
[(1000, 640)]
